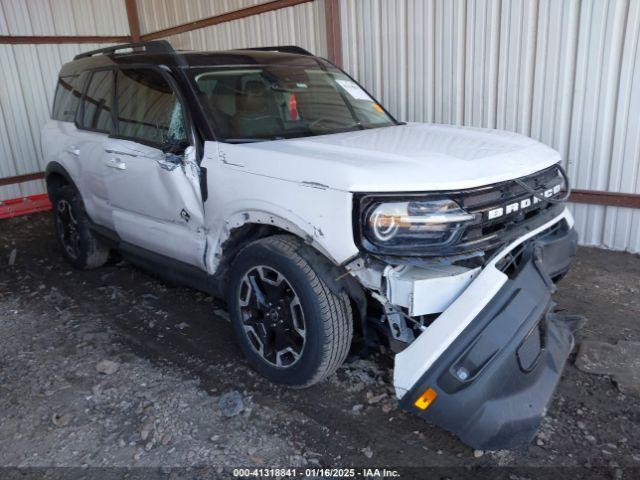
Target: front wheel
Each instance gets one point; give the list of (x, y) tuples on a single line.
[(291, 326)]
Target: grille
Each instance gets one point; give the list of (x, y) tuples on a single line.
[(489, 233), (512, 262)]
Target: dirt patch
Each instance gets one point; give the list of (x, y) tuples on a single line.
[(174, 357)]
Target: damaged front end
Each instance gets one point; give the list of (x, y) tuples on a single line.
[(479, 344), (490, 363)]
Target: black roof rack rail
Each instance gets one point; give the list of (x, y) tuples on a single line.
[(154, 46), (283, 49)]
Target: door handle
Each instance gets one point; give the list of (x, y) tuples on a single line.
[(116, 163), (73, 150), (116, 152)]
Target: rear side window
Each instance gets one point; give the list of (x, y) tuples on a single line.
[(67, 98), (148, 109), (97, 104)]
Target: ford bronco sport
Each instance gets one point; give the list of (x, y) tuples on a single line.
[(270, 178)]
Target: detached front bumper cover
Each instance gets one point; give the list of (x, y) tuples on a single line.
[(495, 380)]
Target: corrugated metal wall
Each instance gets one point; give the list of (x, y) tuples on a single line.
[(302, 25), (566, 72), (28, 74)]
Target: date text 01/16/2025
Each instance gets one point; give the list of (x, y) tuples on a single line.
[(316, 472)]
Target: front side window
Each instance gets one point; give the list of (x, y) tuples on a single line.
[(148, 109), (97, 103), (275, 102), (67, 98)]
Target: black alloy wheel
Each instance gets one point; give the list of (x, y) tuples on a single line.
[(272, 316)]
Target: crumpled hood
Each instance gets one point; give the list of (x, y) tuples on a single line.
[(412, 157)]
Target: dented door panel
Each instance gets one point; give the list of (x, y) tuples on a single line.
[(156, 203)]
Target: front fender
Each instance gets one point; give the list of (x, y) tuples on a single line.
[(272, 215), (320, 216)]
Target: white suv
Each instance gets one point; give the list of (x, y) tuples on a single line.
[(270, 178)]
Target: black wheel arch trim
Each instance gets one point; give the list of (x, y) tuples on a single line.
[(57, 169)]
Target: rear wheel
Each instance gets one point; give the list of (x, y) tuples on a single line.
[(291, 326), (78, 244)]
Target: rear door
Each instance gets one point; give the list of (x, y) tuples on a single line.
[(60, 136), (150, 171), (95, 121)]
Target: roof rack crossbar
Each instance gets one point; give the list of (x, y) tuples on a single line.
[(283, 49), (154, 46)]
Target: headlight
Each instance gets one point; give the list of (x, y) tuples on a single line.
[(428, 223)]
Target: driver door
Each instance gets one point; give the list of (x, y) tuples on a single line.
[(150, 170)]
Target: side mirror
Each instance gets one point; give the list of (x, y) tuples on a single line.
[(173, 158), (179, 158)]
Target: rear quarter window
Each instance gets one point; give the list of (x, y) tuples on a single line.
[(97, 104), (67, 98)]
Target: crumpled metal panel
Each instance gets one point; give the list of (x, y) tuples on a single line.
[(563, 72)]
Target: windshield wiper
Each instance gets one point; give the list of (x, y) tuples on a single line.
[(357, 125), (250, 140)]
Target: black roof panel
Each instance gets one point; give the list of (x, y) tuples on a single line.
[(187, 58)]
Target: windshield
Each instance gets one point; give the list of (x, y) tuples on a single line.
[(276, 102)]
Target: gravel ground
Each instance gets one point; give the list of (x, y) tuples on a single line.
[(114, 367)]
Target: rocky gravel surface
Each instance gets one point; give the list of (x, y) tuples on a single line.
[(115, 368)]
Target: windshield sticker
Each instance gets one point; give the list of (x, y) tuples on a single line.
[(354, 90)]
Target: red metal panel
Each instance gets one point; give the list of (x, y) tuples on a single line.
[(21, 178), (134, 22), (223, 18), (334, 37), (23, 206)]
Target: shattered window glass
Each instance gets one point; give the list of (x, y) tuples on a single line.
[(148, 109)]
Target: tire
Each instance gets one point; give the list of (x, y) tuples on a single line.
[(79, 246), (309, 310)]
